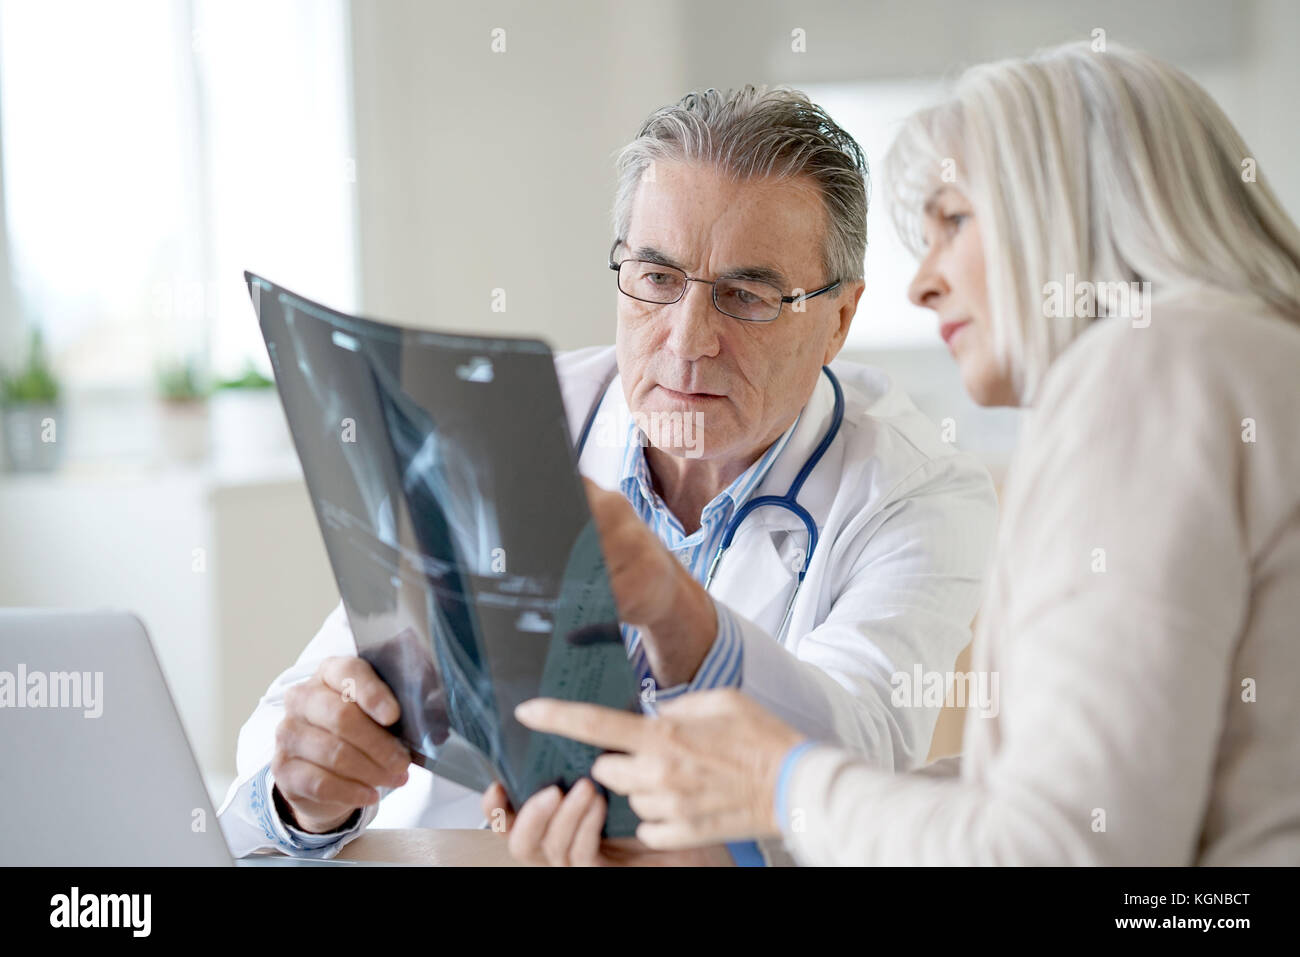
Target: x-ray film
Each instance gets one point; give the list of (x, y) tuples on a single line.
[(446, 488)]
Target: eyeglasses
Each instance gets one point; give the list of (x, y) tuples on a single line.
[(749, 299)]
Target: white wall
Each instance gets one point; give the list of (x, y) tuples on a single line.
[(479, 170), (1271, 88)]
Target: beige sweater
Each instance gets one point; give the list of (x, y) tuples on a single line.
[(1142, 616)]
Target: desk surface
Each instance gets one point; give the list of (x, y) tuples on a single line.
[(437, 848)]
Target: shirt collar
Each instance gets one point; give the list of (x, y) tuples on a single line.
[(636, 482)]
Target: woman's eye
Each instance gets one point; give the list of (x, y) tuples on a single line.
[(944, 224)]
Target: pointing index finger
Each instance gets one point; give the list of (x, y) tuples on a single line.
[(594, 724)]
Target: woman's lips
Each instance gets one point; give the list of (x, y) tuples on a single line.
[(949, 329)]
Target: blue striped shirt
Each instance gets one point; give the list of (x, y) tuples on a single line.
[(722, 666)]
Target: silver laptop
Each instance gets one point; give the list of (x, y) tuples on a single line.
[(94, 766)]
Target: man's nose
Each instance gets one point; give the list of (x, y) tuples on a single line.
[(693, 324)]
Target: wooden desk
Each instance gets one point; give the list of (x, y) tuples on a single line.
[(430, 847)]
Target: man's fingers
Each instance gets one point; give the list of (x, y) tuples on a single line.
[(321, 706), (557, 842), (298, 738), (355, 680), (608, 508), (299, 778), (531, 823), (595, 500), (604, 727), (585, 851), (596, 495), (496, 807)]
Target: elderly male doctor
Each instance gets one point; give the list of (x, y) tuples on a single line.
[(740, 226)]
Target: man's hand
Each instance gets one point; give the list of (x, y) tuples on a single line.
[(653, 591), (563, 830), (331, 749)]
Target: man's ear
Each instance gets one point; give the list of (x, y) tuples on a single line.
[(844, 316)]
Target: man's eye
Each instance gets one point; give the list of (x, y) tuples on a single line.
[(658, 278), (956, 219)]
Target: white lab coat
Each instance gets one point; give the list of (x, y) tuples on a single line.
[(906, 527)]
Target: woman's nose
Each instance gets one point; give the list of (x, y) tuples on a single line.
[(927, 287)]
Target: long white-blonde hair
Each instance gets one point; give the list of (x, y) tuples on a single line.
[(1109, 166)]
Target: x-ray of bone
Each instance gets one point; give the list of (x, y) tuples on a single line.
[(447, 494)]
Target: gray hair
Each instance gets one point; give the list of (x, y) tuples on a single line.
[(755, 133), (1111, 166)]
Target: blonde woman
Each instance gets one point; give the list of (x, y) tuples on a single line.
[(1099, 246)]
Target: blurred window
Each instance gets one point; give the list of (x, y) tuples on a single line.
[(153, 150), (872, 112)]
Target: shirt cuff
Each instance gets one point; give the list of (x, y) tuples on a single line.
[(288, 838), (722, 667)]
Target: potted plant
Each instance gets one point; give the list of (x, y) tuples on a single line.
[(251, 379), (248, 425), (184, 423), (31, 411)]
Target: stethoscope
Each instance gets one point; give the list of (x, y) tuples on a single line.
[(788, 501)]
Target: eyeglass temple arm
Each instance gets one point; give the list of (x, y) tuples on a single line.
[(808, 295)]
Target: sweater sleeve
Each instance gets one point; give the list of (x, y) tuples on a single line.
[(1128, 584)]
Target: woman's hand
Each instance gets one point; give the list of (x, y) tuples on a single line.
[(704, 770)]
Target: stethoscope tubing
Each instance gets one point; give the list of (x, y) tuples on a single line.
[(788, 501)]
